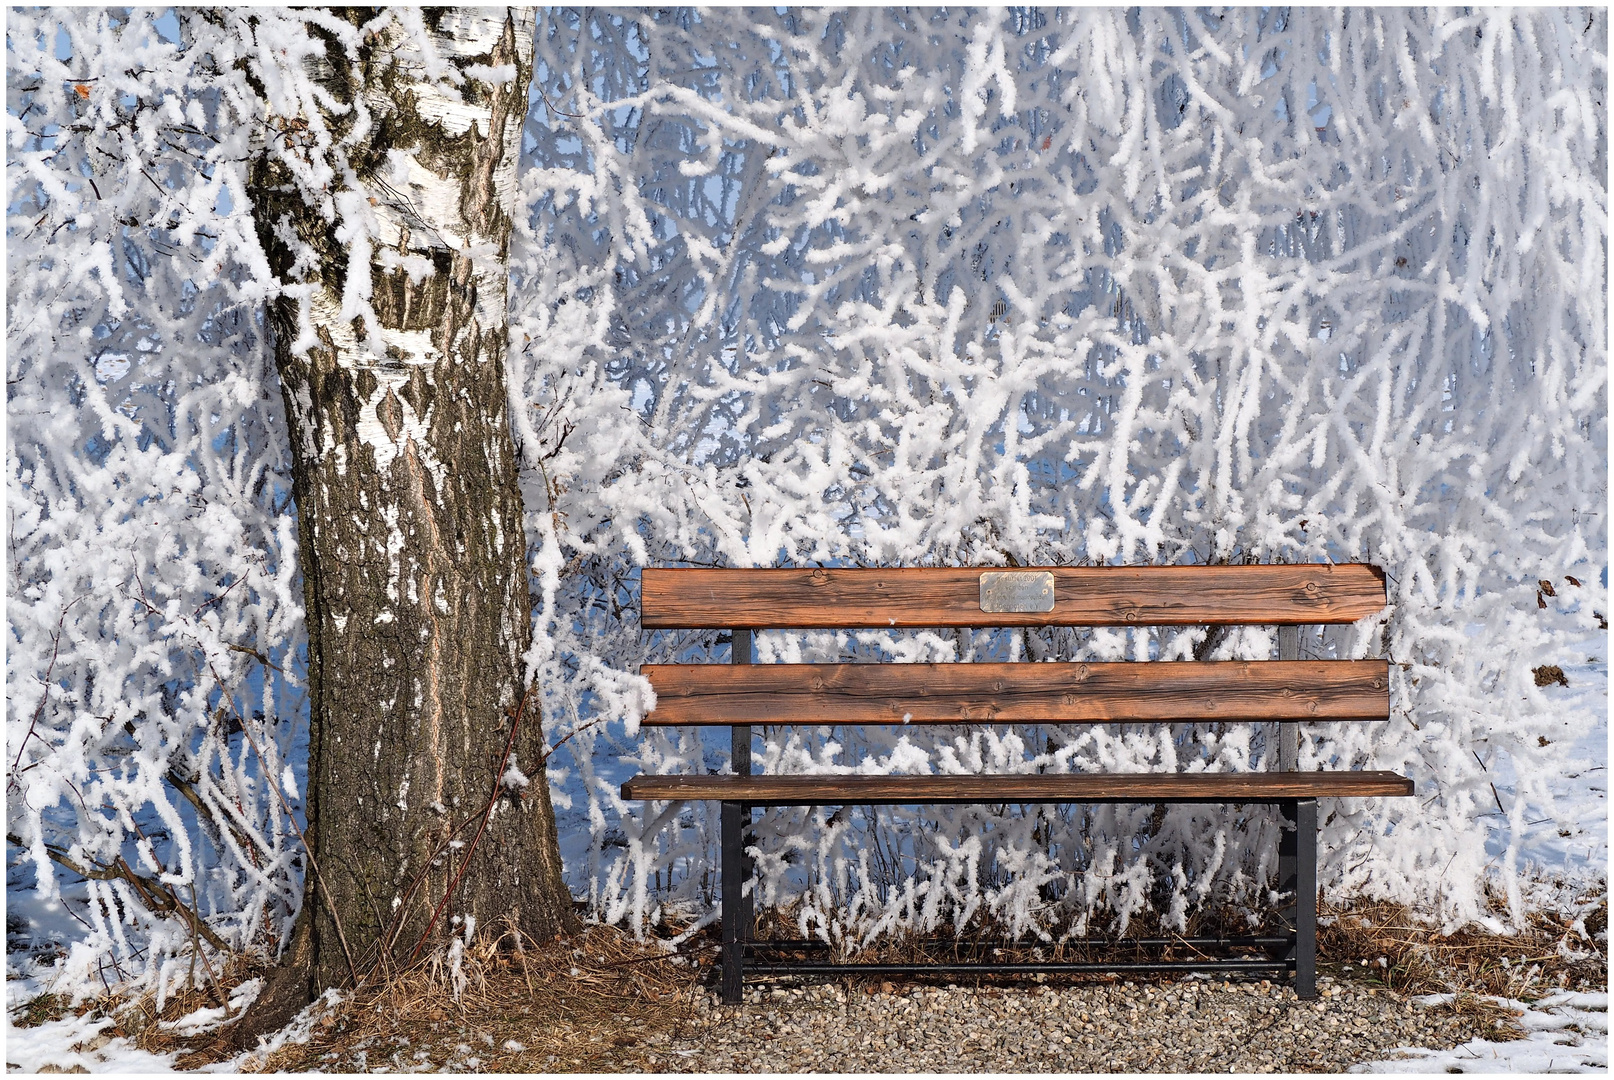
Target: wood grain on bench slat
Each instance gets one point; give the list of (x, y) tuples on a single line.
[(1019, 787), (936, 597), (997, 693)]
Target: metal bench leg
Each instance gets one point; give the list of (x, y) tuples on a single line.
[(1306, 898), (1297, 876), (748, 901), (739, 923), (733, 844), (1288, 842)]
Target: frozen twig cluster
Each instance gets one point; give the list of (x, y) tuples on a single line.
[(154, 605), (928, 287)]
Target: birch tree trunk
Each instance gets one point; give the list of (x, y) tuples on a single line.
[(410, 517)]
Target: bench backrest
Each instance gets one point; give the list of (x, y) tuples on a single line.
[(1178, 691)]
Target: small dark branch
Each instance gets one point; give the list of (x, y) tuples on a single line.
[(209, 603), (151, 610), (568, 738), (157, 897), (186, 788), (566, 429), (193, 921), (556, 110), (1494, 793), (223, 995), (1214, 636), (256, 655)]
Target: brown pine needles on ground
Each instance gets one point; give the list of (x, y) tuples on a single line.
[(1419, 959), (593, 1002), (577, 1005), (1386, 945)]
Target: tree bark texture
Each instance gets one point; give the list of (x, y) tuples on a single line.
[(410, 515)]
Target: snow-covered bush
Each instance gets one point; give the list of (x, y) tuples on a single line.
[(935, 287), (879, 288), (154, 606)]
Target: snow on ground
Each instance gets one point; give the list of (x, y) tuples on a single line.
[(1554, 1044), (77, 1044), (81, 1044), (298, 1031), (1567, 1033)]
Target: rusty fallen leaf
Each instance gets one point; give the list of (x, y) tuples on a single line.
[(1550, 674)]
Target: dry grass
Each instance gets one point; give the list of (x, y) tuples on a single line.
[(139, 1018), (1386, 945), (584, 1004), (1380, 945), (40, 1009)]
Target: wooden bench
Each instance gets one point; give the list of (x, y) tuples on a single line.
[(1284, 691)]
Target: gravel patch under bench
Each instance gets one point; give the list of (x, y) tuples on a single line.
[(1189, 1026)]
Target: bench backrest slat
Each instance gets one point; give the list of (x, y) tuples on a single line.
[(1308, 593), (1019, 692)]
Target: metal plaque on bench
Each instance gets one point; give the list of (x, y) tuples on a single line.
[(1017, 590)]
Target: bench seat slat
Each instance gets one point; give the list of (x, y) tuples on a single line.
[(996, 693), (677, 598), (1018, 787)]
